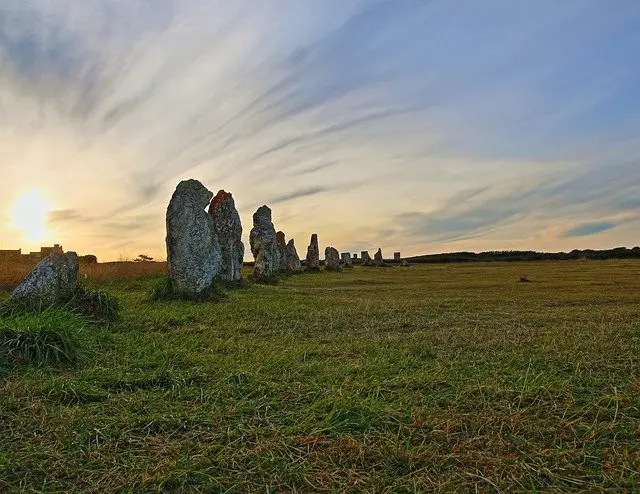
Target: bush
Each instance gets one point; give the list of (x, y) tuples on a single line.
[(161, 289), (49, 337)]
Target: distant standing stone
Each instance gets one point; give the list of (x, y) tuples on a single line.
[(228, 229), (264, 246), (293, 264), (366, 258), (378, 257), (397, 256), (193, 252), (331, 259), (313, 254), (51, 281), (281, 242), (346, 259)]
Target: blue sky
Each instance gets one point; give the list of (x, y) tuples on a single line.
[(420, 126)]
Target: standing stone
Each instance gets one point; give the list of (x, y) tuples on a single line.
[(331, 259), (281, 242), (52, 280), (228, 229), (193, 253), (397, 256), (366, 258), (293, 264), (378, 257), (264, 246), (313, 254), (346, 260)]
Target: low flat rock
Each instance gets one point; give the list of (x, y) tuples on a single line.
[(52, 280), (193, 252)]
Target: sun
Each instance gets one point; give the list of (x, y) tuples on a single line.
[(29, 215)]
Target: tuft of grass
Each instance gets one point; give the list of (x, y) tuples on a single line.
[(273, 279), (161, 290), (95, 305), (50, 337)]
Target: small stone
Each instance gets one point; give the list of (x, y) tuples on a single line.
[(53, 280), (193, 252), (313, 254), (405, 264), (331, 259), (293, 264), (228, 229), (264, 246)]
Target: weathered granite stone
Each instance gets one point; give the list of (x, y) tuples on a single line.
[(347, 262), (366, 258), (405, 264), (193, 252), (228, 229), (397, 256), (331, 259), (377, 257), (281, 242), (51, 281), (264, 246), (293, 264), (313, 254)]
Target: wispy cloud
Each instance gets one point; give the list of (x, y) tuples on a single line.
[(439, 122)]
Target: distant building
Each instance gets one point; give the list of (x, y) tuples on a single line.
[(17, 255)]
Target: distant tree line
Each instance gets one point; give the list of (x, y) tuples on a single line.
[(528, 255)]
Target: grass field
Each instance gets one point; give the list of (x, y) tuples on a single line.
[(432, 378)]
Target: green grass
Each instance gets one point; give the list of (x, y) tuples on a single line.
[(441, 377)]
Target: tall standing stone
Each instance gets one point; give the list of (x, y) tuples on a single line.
[(281, 242), (366, 258), (346, 260), (293, 264), (228, 229), (52, 280), (379, 260), (331, 259), (313, 254), (193, 252), (264, 246)]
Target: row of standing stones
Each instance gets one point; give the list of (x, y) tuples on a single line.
[(203, 246)]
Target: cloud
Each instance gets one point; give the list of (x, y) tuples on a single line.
[(438, 122), (586, 229)]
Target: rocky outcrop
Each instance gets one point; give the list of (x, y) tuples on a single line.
[(347, 261), (53, 280), (193, 252), (293, 264), (331, 259), (313, 254), (264, 246), (228, 229)]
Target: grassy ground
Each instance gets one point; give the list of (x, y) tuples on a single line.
[(447, 377)]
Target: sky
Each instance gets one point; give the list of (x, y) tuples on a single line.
[(412, 125)]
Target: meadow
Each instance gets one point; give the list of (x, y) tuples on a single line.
[(454, 377)]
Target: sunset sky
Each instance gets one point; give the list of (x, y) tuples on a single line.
[(412, 125)]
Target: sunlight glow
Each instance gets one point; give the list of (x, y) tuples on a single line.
[(29, 215)]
